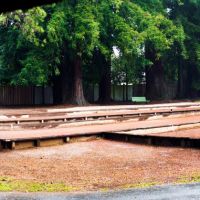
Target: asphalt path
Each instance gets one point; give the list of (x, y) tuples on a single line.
[(171, 192)]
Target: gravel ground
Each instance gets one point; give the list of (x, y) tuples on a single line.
[(98, 164)]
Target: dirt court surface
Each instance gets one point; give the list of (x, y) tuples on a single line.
[(97, 164)]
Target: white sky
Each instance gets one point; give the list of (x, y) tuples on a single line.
[(116, 51)]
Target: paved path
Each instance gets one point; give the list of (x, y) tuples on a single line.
[(180, 192)]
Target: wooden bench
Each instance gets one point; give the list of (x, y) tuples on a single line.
[(140, 100)]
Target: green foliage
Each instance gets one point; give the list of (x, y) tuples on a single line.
[(20, 34), (26, 57), (32, 25), (34, 71), (74, 24), (187, 14), (32, 41), (127, 69), (144, 26)]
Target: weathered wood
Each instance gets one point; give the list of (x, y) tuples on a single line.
[(13, 145), (1, 145), (37, 143)]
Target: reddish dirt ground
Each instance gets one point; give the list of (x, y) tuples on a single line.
[(100, 163)]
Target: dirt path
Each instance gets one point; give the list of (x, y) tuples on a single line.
[(100, 164)]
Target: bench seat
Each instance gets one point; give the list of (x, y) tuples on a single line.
[(140, 100)]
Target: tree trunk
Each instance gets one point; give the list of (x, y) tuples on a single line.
[(155, 80), (66, 76), (181, 85), (57, 96), (68, 85), (77, 93), (62, 84), (126, 84), (191, 76), (103, 68), (113, 91), (105, 81)]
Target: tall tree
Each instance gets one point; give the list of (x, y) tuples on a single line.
[(56, 43), (73, 24), (20, 59), (155, 36), (186, 13)]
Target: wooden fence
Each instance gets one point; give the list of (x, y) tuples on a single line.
[(118, 92), (11, 96)]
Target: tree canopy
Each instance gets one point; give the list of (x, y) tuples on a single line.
[(71, 43)]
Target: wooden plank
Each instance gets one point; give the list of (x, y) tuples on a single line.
[(106, 114)]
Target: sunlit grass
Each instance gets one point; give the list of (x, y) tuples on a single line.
[(140, 185), (194, 178), (8, 184)]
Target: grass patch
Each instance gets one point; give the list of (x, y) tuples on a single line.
[(104, 189), (194, 178), (8, 184), (140, 185)]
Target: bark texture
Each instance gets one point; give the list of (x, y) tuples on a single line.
[(68, 86), (155, 79), (77, 92), (105, 81)]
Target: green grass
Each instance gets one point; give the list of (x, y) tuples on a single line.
[(140, 185), (194, 178), (8, 184), (104, 189)]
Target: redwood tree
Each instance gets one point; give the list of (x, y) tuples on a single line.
[(73, 23)]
